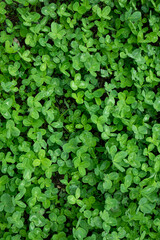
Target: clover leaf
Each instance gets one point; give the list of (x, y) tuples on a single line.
[(7, 203)]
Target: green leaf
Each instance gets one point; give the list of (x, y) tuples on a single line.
[(120, 156), (78, 193), (90, 179), (6, 200), (156, 104), (57, 31), (105, 12), (98, 93), (152, 37), (80, 233), (128, 181), (145, 206), (135, 16), (107, 184), (71, 199)]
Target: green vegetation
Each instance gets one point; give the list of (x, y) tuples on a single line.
[(79, 120)]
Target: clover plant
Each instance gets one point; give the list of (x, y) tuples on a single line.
[(79, 119)]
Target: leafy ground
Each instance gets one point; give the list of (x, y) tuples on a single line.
[(79, 119)]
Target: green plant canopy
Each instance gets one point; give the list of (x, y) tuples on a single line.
[(79, 119)]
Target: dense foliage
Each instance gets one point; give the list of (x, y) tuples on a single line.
[(79, 119)]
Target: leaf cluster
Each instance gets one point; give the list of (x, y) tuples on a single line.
[(79, 120)]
